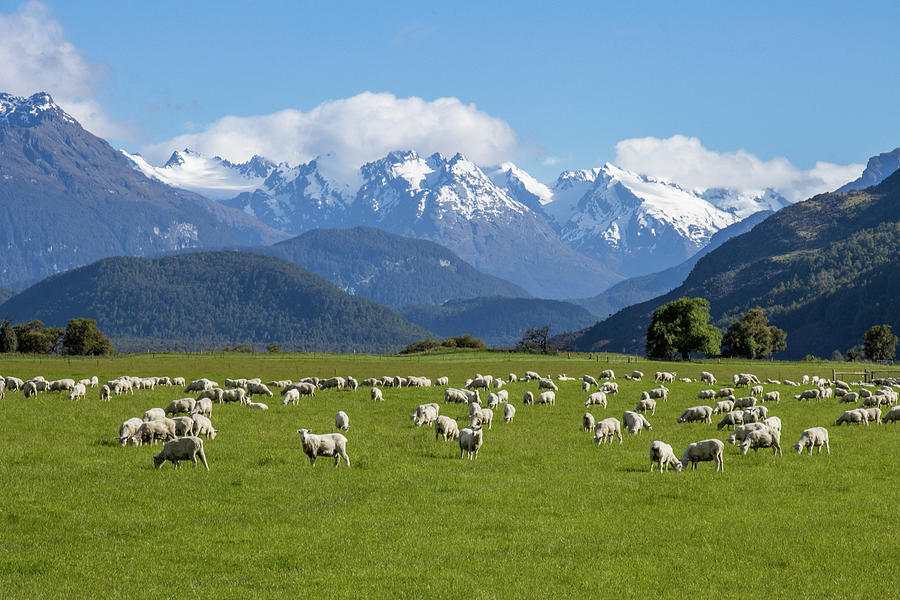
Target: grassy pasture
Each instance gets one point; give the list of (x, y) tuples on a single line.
[(542, 512)]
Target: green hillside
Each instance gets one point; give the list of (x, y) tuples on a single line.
[(212, 299)]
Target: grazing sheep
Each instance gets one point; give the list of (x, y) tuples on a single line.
[(182, 405), (705, 395), (150, 431), (596, 398), (183, 426), (442, 381), (662, 455), (342, 421), (609, 387), (128, 429), (425, 414), (849, 397), (61, 385), (29, 389), (773, 381), (760, 411), (696, 413), (742, 431), (262, 389), (731, 418), (509, 413), (892, 415), (585, 386), (872, 414), (762, 438), (238, 395), (635, 422), (637, 375), (548, 397), (470, 440), (745, 402), (857, 415), (446, 427), (645, 404), (479, 382), (513, 378), (606, 429), (324, 444), (661, 392), (332, 383), (203, 426), (725, 393), (503, 396), (547, 384), (662, 376), (773, 423), (154, 414), (588, 379), (607, 374), (774, 396), (756, 390), (482, 417), (531, 375), (186, 448), (723, 406), (528, 398), (588, 422), (14, 384), (789, 382), (200, 385), (291, 396), (703, 451), (204, 406), (177, 381), (813, 394), (105, 393), (217, 394), (79, 391), (813, 437), (841, 384), (258, 405), (455, 395), (352, 384), (376, 395), (493, 400)]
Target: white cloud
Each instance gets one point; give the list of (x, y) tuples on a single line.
[(354, 131), (685, 161), (36, 57)]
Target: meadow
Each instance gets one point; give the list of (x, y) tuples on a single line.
[(542, 512)]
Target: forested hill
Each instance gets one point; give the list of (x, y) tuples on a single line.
[(212, 299), (389, 268), (824, 270)]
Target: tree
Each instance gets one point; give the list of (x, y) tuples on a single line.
[(753, 337), (463, 341), (879, 343), (421, 346), (852, 355), (84, 338), (34, 338), (681, 327), (534, 340), (9, 342)]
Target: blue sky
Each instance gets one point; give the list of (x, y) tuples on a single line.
[(807, 81)]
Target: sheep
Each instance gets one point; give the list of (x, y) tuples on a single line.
[(105, 393), (606, 429), (588, 422), (14, 384), (262, 389), (493, 400), (637, 375), (892, 415), (662, 455), (707, 377), (455, 395), (203, 407), (761, 412), (446, 427), (531, 375), (774, 396), (589, 380), (731, 418), (353, 384), (203, 426), (607, 374), (596, 398), (372, 381), (789, 382), (470, 440), (342, 421), (742, 431), (425, 414), (585, 386), (512, 378), (610, 387), (186, 448), (849, 397), (200, 385), (762, 438), (479, 382), (291, 396), (306, 388), (217, 394), (662, 376), (635, 422), (548, 397), (547, 384), (442, 381), (685, 380), (324, 444), (645, 404), (813, 437), (482, 417), (661, 392), (696, 413), (773, 423), (154, 414), (705, 395), (78, 392), (725, 392), (773, 381), (745, 402), (528, 398), (128, 429), (509, 413), (29, 389), (756, 390), (257, 405), (503, 396), (723, 406), (813, 394), (183, 426), (872, 414), (497, 383), (333, 382), (182, 405), (853, 416), (841, 384), (377, 396), (702, 451), (150, 431)]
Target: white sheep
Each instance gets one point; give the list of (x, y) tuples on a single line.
[(200, 385), (773, 423), (762, 438), (509, 413), (853, 416), (704, 451), (745, 402), (352, 384), (203, 426), (204, 406), (872, 414), (813, 437), (725, 392), (707, 377), (291, 396), (645, 404), (607, 374), (773, 396), (635, 422), (482, 417), (596, 398), (258, 405), (662, 392), (151, 431), (425, 414), (446, 427), (325, 444), (742, 431), (606, 429), (186, 448), (377, 395), (61, 385), (705, 395), (696, 413), (610, 387), (732, 418), (105, 393), (493, 400), (588, 379), (662, 455), (723, 406), (342, 421), (154, 414), (585, 386), (470, 440), (262, 389), (588, 422), (442, 381), (637, 375), (333, 383), (128, 429), (813, 394), (513, 378), (892, 415), (183, 426), (182, 405), (528, 398), (548, 397), (756, 390), (238, 395), (849, 397), (79, 391), (547, 384)]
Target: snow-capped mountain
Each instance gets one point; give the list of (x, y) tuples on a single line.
[(521, 186)]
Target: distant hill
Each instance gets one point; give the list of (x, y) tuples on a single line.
[(388, 268), (823, 270), (877, 170), (6, 294), (211, 299), (500, 322)]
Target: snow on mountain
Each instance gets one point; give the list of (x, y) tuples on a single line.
[(521, 186), (24, 112), (569, 188), (742, 204)]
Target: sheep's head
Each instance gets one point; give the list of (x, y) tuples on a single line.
[(303, 433), (158, 460), (678, 466)]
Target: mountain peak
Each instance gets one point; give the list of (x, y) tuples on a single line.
[(26, 112)]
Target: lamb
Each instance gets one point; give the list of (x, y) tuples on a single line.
[(446, 427), (849, 397), (756, 390), (342, 421), (257, 405), (236, 395), (217, 394), (528, 398), (482, 417), (78, 392), (742, 431), (696, 413), (745, 402), (813, 437), (588, 422), (128, 429), (606, 429), (203, 426), (596, 398), (732, 418), (762, 438), (853, 416), (662, 455), (723, 406), (548, 397), (154, 414), (291, 396), (707, 377), (182, 405), (425, 414), (662, 376), (186, 448), (774, 396), (324, 444), (645, 404), (547, 384), (892, 415), (470, 440), (183, 426), (509, 413), (703, 451), (635, 422), (705, 395)]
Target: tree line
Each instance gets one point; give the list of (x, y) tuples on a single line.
[(79, 337)]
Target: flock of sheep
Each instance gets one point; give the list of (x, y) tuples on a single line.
[(184, 422)]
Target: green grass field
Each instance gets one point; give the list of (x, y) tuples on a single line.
[(543, 512)]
